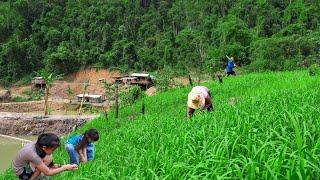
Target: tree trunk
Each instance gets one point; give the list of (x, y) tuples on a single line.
[(85, 86), (220, 78), (117, 102), (80, 108), (46, 97), (190, 80)]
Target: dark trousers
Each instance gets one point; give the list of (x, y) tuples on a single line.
[(25, 175), (210, 108), (231, 73)]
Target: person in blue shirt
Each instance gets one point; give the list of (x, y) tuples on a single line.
[(81, 148), (230, 66)]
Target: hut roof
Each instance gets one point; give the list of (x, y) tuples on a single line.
[(89, 95), (38, 80), (140, 74)]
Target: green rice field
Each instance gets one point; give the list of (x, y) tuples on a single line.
[(265, 126)]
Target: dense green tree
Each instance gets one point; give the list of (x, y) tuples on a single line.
[(149, 35)]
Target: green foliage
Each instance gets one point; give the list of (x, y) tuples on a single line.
[(19, 99), (29, 95), (48, 76), (65, 36), (130, 96), (267, 54), (26, 80), (164, 80), (109, 90), (89, 109), (285, 53), (269, 131), (232, 30), (69, 93), (314, 70), (189, 51)]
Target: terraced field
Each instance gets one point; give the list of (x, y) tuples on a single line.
[(265, 126)]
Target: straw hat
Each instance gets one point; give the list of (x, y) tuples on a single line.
[(196, 99)]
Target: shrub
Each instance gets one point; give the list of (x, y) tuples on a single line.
[(164, 80), (19, 99), (314, 70), (34, 95), (134, 93)]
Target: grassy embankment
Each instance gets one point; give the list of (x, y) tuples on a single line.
[(265, 126)]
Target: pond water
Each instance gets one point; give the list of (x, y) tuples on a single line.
[(9, 149)]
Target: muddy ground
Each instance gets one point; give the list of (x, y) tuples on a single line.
[(31, 106), (26, 124)]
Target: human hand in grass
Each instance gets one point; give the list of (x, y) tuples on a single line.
[(70, 167)]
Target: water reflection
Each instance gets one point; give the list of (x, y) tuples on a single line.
[(9, 149)]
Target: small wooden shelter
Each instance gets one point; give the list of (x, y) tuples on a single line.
[(143, 80), (38, 83), (91, 98)]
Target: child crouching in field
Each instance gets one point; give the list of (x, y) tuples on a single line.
[(81, 148), (35, 158)]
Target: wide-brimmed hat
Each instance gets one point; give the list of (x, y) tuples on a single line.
[(196, 99)]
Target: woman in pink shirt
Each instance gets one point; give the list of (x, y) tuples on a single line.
[(199, 98)]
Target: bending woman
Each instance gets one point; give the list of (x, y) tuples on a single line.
[(199, 98), (39, 156)]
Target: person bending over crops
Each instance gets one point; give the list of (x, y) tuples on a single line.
[(36, 158), (81, 148), (199, 98)]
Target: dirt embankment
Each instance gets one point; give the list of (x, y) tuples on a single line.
[(31, 106), (16, 118), (76, 82), (25, 124)]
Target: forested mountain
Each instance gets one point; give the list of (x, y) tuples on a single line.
[(184, 35)]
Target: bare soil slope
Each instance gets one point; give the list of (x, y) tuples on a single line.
[(75, 81)]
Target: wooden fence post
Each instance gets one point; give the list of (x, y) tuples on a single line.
[(220, 78), (190, 80), (117, 101), (85, 86)]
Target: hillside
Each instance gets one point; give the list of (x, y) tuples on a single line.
[(148, 35), (265, 126), (75, 82)]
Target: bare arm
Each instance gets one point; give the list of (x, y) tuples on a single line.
[(208, 100), (81, 155), (35, 174), (85, 157), (190, 112), (50, 172)]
